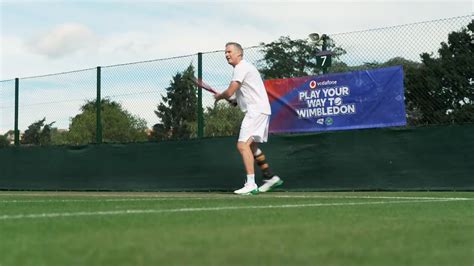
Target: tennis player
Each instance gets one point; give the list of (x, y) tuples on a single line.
[(251, 96)]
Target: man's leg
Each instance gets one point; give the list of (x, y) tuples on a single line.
[(260, 159), (247, 155), (272, 180), (247, 158)]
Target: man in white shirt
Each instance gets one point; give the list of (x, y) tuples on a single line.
[(253, 100)]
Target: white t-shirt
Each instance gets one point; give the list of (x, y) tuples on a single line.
[(251, 96)]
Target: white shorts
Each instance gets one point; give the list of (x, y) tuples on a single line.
[(255, 126)]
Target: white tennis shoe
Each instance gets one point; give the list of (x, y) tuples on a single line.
[(270, 184), (248, 189)]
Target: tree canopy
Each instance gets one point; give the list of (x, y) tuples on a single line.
[(222, 119), (4, 142), (178, 109), (285, 58), (38, 133), (118, 125), (441, 89)]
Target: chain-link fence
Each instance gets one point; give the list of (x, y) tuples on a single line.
[(138, 103), (432, 95), (7, 107), (56, 99), (139, 88)]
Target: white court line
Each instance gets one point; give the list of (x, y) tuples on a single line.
[(179, 210), (101, 200), (85, 194), (230, 196), (370, 197)]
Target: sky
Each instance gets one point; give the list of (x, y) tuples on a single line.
[(38, 38), (43, 37)]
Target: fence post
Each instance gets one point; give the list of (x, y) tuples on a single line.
[(324, 48), (98, 132), (200, 117), (17, 93)]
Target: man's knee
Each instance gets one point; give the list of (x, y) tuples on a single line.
[(242, 146)]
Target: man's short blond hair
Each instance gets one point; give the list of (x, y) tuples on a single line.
[(238, 46)]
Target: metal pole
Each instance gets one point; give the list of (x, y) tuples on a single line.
[(200, 118), (17, 93), (98, 133)]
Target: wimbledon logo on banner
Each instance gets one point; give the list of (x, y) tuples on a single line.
[(323, 99)]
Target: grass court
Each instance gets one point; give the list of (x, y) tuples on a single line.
[(278, 228)]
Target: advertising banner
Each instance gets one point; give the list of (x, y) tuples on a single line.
[(349, 100)]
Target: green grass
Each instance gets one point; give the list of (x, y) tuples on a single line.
[(359, 228)]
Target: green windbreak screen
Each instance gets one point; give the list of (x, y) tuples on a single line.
[(428, 158)]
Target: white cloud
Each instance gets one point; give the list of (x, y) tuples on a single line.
[(173, 38), (111, 39), (17, 60), (300, 18), (68, 46), (63, 40)]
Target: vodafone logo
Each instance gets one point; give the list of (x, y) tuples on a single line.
[(312, 84)]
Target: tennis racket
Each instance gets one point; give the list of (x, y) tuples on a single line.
[(201, 84)]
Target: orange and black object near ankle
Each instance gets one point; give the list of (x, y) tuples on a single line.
[(261, 162)]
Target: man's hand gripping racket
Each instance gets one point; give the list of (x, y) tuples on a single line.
[(203, 85)]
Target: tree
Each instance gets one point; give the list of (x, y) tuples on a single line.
[(7, 138), (442, 88), (38, 133), (222, 119), (178, 110), (59, 136), (287, 58), (159, 132), (118, 125), (4, 142)]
